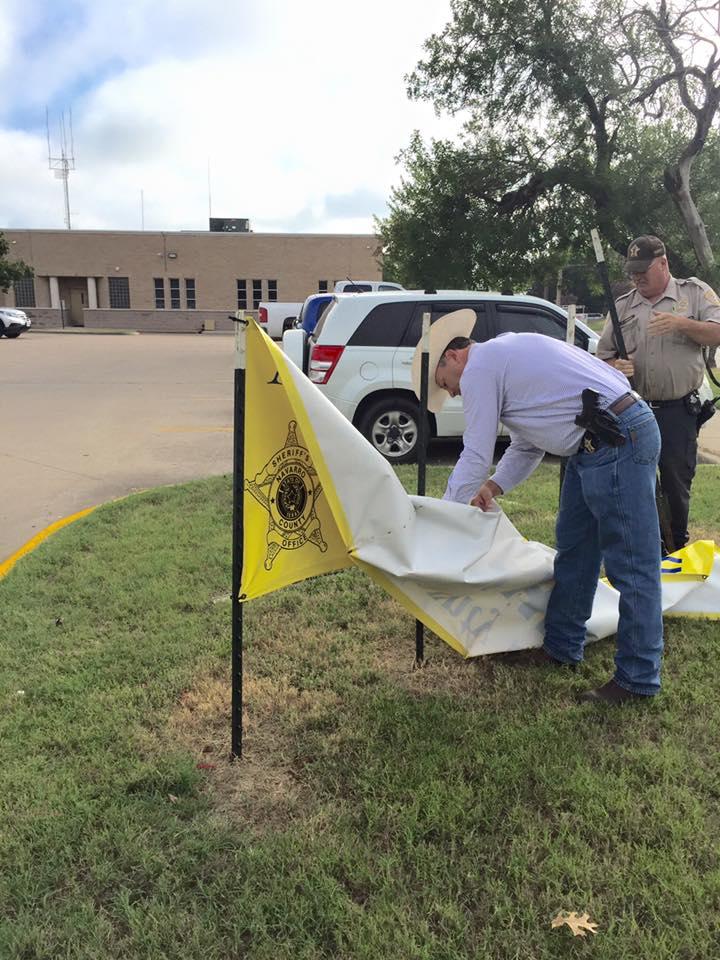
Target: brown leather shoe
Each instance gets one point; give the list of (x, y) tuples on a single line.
[(535, 657), (611, 694)]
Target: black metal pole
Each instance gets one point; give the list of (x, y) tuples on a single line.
[(607, 289), (241, 325), (422, 443), (569, 338)]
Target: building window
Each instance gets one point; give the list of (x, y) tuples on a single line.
[(257, 293), (272, 289), (190, 293), (174, 293), (119, 291), (25, 292), (159, 293), (322, 286), (242, 294)]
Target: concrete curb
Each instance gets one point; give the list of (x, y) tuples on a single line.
[(7, 565), (82, 330), (707, 456)]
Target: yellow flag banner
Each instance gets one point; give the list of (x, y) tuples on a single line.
[(318, 497), (289, 532), (691, 581)]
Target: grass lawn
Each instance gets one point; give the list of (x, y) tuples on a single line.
[(444, 813), (714, 386)]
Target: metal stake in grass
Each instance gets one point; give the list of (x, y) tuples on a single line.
[(241, 325), (422, 439), (569, 338)]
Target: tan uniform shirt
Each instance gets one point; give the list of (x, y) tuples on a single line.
[(666, 367)]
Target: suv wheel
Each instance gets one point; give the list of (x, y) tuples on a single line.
[(391, 426)]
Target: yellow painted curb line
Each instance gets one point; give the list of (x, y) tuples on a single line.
[(7, 565)]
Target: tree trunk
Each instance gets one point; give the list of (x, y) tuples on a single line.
[(677, 184)]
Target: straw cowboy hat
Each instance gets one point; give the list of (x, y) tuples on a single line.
[(456, 324)]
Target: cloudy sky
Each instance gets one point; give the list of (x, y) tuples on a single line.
[(297, 110)]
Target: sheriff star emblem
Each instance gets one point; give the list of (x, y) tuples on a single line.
[(288, 488)]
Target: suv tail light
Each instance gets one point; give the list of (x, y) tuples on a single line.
[(323, 361), (262, 315)]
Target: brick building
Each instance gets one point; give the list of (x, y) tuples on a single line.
[(175, 281)]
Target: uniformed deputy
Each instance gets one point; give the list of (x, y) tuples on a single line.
[(556, 398), (664, 322)]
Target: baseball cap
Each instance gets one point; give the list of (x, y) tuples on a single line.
[(641, 253)]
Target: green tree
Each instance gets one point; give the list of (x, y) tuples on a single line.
[(556, 142), (10, 272), (688, 67)]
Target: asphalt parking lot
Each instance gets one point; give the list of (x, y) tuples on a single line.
[(89, 418)]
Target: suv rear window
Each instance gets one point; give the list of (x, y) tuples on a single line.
[(512, 318), (384, 326), (481, 331)]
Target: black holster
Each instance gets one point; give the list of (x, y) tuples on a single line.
[(701, 410), (600, 424), (707, 410)]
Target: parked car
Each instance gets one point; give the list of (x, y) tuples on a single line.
[(365, 286), (311, 311), (361, 352), (13, 322), (276, 317)]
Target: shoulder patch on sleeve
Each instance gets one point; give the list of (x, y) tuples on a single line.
[(707, 291)]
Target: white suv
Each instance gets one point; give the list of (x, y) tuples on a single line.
[(361, 352), (13, 322)]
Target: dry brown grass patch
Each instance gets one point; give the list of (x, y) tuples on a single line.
[(444, 670), (260, 789)]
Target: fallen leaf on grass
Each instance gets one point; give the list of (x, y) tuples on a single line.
[(579, 923), (205, 766), (172, 798)]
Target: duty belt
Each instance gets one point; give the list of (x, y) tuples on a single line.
[(659, 404)]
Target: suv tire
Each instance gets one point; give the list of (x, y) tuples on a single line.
[(391, 426)]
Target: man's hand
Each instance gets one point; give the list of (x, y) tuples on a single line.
[(664, 323), (624, 366), (485, 496)]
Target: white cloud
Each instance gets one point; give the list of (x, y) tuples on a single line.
[(300, 110)]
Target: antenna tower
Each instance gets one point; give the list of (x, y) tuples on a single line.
[(63, 164)]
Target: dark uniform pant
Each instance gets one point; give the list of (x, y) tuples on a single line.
[(678, 457)]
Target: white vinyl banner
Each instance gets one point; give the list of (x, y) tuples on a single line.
[(468, 575)]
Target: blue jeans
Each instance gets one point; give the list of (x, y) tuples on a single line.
[(608, 513)]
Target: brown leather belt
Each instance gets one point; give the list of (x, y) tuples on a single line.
[(623, 402)]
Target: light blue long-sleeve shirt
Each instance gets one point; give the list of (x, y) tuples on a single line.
[(534, 384)]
